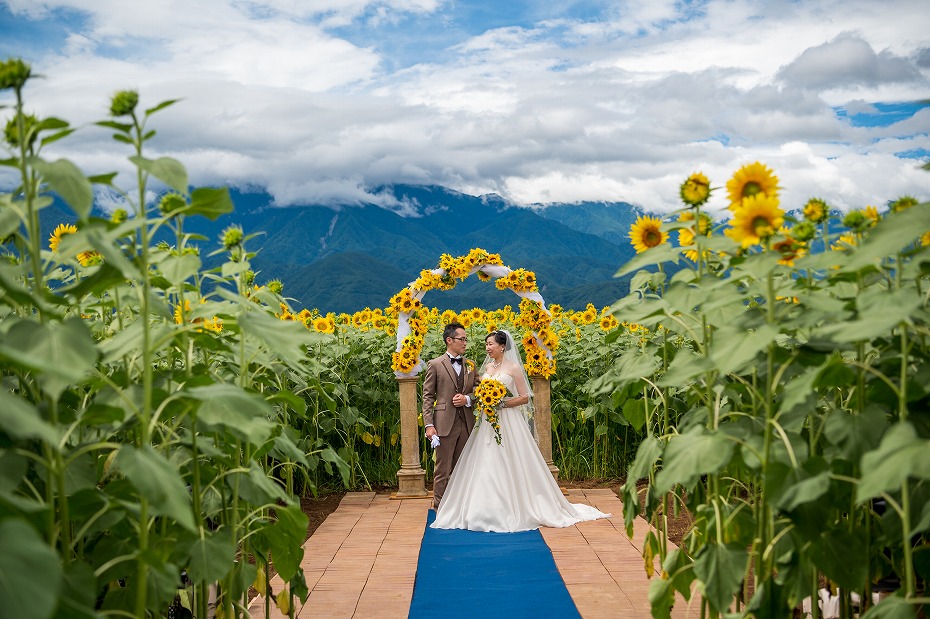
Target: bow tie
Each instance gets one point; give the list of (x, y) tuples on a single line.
[(457, 360)]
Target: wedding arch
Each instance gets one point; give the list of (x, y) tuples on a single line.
[(539, 342)]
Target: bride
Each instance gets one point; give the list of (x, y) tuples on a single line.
[(506, 487)]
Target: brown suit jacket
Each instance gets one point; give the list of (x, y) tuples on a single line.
[(439, 385)]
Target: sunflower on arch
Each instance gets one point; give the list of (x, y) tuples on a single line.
[(411, 314)]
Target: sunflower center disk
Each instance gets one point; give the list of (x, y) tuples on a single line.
[(751, 188), (762, 227)]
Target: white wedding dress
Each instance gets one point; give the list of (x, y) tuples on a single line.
[(506, 487)]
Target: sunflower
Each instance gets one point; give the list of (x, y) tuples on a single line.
[(647, 233), (789, 248), (857, 221), (686, 239), (704, 225), (816, 210), (407, 304), (804, 231), (324, 325), (872, 213), (89, 258), (214, 324), (446, 262), (903, 203), (417, 326), (427, 281), (608, 323), (400, 363), (750, 180), (179, 313), (232, 237), (925, 238), (695, 190), (55, 239), (758, 219), (549, 339), (489, 394), (844, 242)]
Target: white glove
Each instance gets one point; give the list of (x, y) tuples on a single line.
[(434, 442)]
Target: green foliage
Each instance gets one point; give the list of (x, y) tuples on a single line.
[(789, 414), (160, 415), (147, 401), (30, 575)]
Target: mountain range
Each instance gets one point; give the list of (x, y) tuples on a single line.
[(348, 257)]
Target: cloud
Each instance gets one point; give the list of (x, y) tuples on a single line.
[(556, 103), (923, 58), (847, 61)]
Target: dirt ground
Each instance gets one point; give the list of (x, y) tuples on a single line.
[(318, 508)]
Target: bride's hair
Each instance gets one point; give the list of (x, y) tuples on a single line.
[(499, 336)]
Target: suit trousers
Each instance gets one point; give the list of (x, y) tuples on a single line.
[(447, 454)]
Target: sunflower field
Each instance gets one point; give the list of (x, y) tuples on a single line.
[(786, 391), (161, 418)]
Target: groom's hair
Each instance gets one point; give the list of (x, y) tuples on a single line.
[(450, 330)]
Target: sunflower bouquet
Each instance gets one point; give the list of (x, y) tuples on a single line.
[(488, 395)]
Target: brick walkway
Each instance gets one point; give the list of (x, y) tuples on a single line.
[(362, 561)]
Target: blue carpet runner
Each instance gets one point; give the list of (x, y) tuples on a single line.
[(473, 574)]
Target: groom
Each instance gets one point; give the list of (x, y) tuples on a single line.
[(447, 412)]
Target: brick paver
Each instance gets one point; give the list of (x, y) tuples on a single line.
[(362, 561)]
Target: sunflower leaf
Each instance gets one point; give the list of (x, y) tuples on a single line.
[(901, 454), (66, 179), (169, 171)]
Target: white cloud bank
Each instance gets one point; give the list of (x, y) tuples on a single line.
[(277, 94)]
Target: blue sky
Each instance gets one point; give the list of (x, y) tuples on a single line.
[(427, 36), (537, 100)]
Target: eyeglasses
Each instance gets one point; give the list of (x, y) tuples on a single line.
[(463, 338)]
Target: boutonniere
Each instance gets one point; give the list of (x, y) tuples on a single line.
[(470, 365)]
